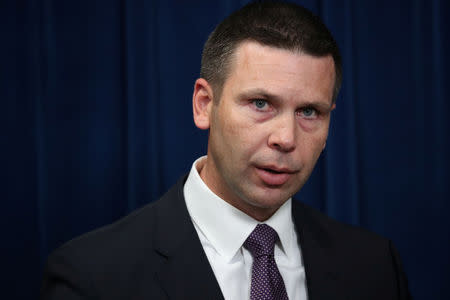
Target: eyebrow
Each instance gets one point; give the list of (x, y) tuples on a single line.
[(258, 92), (264, 94)]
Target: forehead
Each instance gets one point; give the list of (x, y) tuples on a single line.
[(280, 71)]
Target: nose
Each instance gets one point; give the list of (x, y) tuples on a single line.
[(283, 134)]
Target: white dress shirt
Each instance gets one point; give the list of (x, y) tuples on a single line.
[(223, 229)]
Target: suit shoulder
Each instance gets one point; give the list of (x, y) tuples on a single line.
[(132, 233), (335, 230), (359, 254), (102, 261)]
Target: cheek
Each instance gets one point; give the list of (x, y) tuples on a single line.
[(239, 131), (250, 139), (311, 145)]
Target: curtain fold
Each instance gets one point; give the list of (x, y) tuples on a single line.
[(141, 83)]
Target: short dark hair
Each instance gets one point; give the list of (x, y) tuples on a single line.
[(278, 24)]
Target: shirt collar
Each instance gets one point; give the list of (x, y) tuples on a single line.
[(225, 226)]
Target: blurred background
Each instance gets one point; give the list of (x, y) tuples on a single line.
[(95, 118)]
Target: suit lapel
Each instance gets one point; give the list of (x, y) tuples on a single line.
[(322, 277), (186, 272)]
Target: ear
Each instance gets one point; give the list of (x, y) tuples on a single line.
[(333, 106), (202, 100)]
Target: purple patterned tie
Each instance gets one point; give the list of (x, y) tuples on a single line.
[(267, 283)]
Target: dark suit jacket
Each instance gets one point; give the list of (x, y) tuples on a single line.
[(155, 253)]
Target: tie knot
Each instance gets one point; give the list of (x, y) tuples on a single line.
[(261, 241)]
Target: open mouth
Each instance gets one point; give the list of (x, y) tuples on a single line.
[(273, 171), (274, 177)]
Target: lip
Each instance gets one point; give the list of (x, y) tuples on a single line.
[(274, 176)]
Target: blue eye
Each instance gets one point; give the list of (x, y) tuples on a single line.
[(308, 112), (260, 104)]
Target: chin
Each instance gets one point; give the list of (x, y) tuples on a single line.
[(269, 200)]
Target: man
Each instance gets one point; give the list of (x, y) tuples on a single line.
[(269, 79)]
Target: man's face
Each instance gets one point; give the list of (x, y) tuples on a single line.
[(269, 127)]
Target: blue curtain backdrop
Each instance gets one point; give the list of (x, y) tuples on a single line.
[(96, 121)]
